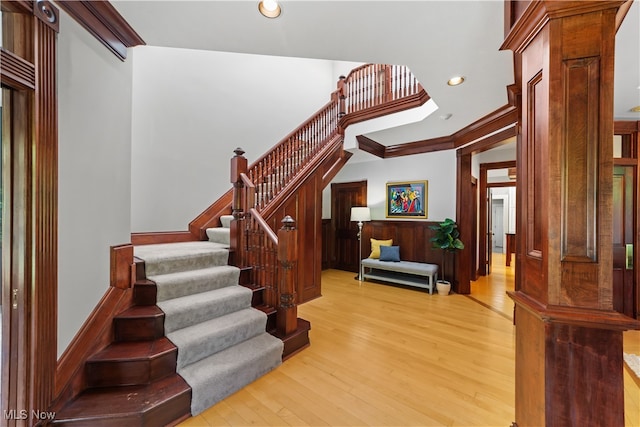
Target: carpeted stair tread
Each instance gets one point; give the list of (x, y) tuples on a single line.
[(225, 220), (204, 339), (182, 283), (167, 258), (159, 403), (218, 376), (191, 309), (220, 235)]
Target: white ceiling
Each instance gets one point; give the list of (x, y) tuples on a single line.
[(436, 39)]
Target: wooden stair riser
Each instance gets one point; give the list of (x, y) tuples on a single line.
[(138, 328), (145, 292), (130, 372), (271, 317)]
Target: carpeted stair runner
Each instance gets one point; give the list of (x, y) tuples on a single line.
[(220, 234), (222, 342)]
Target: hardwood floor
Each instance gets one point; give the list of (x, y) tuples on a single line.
[(388, 356)]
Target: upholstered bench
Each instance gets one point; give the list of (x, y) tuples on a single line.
[(403, 272)]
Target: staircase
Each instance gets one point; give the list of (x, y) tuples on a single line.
[(198, 329), (199, 341)]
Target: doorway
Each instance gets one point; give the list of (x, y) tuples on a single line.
[(497, 224), (343, 197), (497, 189)]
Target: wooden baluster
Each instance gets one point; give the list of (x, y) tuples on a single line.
[(287, 311), (387, 83), (341, 95), (238, 207)]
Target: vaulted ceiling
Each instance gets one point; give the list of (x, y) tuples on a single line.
[(436, 39)]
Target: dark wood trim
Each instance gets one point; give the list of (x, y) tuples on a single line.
[(16, 72), (18, 6), (396, 106), (152, 238), (333, 170), (42, 296), (419, 147), (121, 257), (575, 316), (622, 12), (94, 335), (370, 146), (622, 127), (492, 141), (465, 267), (500, 184), (105, 23), (502, 117)]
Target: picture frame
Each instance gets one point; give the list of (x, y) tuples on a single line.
[(407, 199)]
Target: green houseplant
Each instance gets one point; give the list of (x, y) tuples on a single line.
[(446, 238)]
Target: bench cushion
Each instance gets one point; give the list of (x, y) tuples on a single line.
[(411, 267)]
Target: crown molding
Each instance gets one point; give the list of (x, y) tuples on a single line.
[(105, 23)]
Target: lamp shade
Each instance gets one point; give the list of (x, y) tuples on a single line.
[(360, 214)]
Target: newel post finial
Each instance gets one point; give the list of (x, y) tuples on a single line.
[(239, 152)]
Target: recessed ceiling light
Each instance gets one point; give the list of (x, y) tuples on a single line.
[(446, 116), (455, 81), (269, 8), (636, 109)]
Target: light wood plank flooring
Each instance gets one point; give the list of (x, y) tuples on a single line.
[(383, 355)]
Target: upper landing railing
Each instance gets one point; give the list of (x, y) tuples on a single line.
[(369, 91), (374, 85)]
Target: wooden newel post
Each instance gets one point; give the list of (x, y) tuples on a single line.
[(236, 243), (287, 316)]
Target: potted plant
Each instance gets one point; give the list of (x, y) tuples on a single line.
[(447, 238)]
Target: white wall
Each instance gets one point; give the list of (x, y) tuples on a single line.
[(192, 108), (439, 168), (94, 100)]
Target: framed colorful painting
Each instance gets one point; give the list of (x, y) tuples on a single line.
[(407, 199)]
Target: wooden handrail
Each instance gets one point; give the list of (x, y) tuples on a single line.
[(264, 226)]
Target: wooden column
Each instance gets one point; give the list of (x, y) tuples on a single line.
[(464, 215), (568, 337)]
